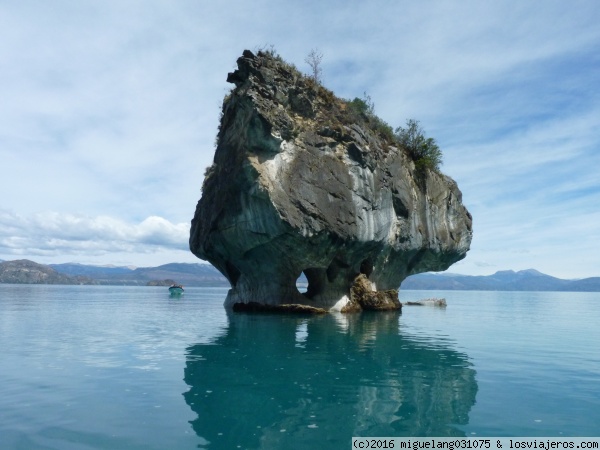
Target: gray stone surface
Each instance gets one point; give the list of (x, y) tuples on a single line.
[(300, 184)]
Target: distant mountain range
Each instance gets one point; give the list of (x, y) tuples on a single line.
[(504, 280), (28, 272), (25, 271), (182, 273)]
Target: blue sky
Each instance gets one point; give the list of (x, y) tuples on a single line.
[(109, 111)]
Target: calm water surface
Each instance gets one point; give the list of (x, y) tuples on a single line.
[(86, 367)]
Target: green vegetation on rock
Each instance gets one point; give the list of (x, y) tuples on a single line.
[(315, 103), (424, 151)]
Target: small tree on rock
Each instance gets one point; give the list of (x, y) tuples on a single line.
[(314, 59), (424, 151)]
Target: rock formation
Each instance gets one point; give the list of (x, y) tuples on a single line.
[(302, 182), (437, 302)]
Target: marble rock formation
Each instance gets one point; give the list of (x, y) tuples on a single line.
[(437, 302), (302, 182)]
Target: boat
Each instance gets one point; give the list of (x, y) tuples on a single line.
[(176, 289)]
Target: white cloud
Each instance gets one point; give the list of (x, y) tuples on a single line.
[(53, 235)]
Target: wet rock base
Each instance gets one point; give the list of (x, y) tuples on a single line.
[(292, 308)]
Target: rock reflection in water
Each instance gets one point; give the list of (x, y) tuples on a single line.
[(275, 381)]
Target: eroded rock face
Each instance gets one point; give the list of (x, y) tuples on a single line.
[(300, 183)]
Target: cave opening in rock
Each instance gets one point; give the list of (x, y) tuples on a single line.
[(302, 283), (313, 279), (366, 267)]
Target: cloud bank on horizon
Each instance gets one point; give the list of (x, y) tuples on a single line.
[(44, 235), (109, 113)]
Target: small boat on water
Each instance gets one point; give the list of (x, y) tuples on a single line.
[(176, 289)]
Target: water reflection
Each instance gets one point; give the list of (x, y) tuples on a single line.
[(294, 382)]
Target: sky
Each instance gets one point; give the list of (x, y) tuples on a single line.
[(109, 111)]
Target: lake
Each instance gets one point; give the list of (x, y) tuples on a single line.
[(107, 367)]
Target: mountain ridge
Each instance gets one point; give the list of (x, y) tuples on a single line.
[(24, 271), (502, 280), (199, 274), (191, 274)]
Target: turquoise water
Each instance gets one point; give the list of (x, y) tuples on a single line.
[(87, 367)]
